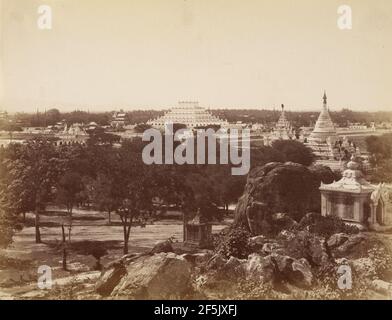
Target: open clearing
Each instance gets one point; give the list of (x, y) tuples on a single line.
[(20, 261)]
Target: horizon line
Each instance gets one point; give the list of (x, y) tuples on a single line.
[(167, 108)]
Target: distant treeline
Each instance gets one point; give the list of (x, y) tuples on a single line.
[(51, 117), (301, 118)]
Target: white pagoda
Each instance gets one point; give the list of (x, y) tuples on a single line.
[(324, 135), (190, 114)]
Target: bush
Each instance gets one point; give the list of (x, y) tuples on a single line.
[(382, 259), (325, 226), (6, 230), (233, 242)]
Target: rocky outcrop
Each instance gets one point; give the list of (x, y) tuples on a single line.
[(272, 269), (157, 276), (309, 246), (279, 187)]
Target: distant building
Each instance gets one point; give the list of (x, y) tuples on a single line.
[(74, 134), (190, 114), (118, 119), (3, 115), (283, 129)]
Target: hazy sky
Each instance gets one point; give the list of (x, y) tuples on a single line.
[(103, 55)]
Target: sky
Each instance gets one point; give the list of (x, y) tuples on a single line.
[(133, 54)]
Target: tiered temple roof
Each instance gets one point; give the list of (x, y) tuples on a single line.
[(188, 113), (283, 129)]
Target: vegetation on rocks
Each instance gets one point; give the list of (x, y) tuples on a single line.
[(233, 242)]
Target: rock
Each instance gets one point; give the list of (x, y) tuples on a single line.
[(271, 247), (282, 221), (234, 268), (257, 241), (286, 235), (160, 276), (110, 278), (283, 263), (309, 246), (260, 269), (337, 239), (217, 262), (233, 262), (318, 251), (162, 246), (382, 287), (197, 259), (297, 272), (279, 187), (349, 245), (302, 273)]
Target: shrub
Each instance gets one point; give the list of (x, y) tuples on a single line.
[(6, 230), (382, 260), (233, 242), (325, 226)]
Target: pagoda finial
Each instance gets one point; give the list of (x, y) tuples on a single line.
[(325, 98), (282, 107)]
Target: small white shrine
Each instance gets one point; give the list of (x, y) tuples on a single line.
[(354, 199)]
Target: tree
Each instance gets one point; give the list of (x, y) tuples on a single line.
[(52, 116), (101, 138), (141, 127), (265, 154), (69, 191), (294, 151), (31, 176), (103, 194), (6, 228), (380, 148)]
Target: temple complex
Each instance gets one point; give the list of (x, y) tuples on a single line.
[(190, 114), (74, 134), (118, 119), (354, 199)]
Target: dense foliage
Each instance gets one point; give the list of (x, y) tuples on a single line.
[(233, 242), (380, 149)]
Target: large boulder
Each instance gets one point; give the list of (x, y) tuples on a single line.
[(279, 187), (159, 276)]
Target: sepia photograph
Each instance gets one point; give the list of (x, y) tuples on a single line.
[(215, 151)]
